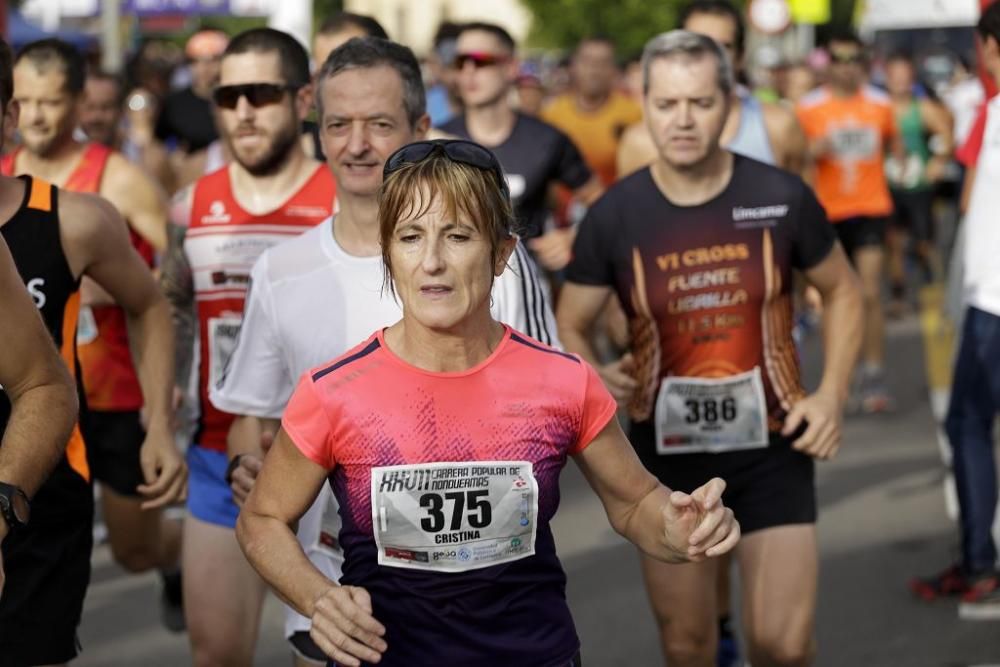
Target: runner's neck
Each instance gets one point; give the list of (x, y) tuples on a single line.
[(844, 93), (54, 167), (490, 125), (262, 194), (445, 352), (356, 227), (591, 103), (695, 186)]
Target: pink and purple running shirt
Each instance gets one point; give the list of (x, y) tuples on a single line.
[(447, 483)]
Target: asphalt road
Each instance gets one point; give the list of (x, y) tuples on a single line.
[(882, 520)]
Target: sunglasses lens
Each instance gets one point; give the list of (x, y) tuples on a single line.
[(262, 94), (477, 59), (257, 94), (226, 97)]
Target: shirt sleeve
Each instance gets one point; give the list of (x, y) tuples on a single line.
[(571, 169), (520, 300), (308, 425), (591, 262), (814, 235), (599, 408), (257, 380), (968, 153)]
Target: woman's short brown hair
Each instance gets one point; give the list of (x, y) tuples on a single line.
[(460, 188)]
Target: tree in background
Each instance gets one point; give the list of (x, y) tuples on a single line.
[(561, 24)]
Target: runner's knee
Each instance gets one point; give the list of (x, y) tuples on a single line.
[(135, 558), (688, 646), (780, 649)]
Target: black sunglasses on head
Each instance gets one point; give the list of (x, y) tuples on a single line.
[(257, 94), (456, 150)]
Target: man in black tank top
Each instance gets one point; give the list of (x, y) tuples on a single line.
[(39, 404), (56, 238)]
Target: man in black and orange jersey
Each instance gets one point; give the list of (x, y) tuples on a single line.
[(271, 191), (43, 404), (700, 249), (57, 238), (48, 87)]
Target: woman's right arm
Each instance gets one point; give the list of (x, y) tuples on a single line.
[(288, 483), (265, 528)]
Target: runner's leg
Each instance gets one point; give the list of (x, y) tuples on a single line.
[(222, 596), (779, 571), (137, 537), (868, 261), (683, 598)]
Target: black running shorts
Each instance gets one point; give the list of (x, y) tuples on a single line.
[(114, 440), (914, 213), (767, 487), (861, 232), (47, 565)]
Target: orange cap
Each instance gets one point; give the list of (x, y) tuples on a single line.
[(206, 44)]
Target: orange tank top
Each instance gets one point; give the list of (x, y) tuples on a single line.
[(109, 378)]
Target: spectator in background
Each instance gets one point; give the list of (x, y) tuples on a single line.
[(334, 31), (593, 113), (975, 394), (925, 127), (339, 28), (186, 122), (631, 83), (442, 98), (797, 80), (530, 90), (963, 96), (104, 119)]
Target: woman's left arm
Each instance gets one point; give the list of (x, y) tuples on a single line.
[(668, 525)]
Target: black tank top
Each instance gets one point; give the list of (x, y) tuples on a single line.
[(32, 234)]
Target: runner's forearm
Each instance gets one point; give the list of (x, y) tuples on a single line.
[(39, 427), (245, 435), (276, 555), (842, 323), (644, 526), (177, 284), (154, 351)]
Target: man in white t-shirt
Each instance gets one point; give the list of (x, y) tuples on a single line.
[(975, 394), (315, 297)]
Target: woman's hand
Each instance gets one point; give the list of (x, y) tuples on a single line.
[(344, 628), (699, 526)]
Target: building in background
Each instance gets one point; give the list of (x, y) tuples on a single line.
[(414, 23)]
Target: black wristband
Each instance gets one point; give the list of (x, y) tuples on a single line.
[(234, 463)]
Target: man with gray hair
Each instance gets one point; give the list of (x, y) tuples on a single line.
[(320, 294), (700, 247)]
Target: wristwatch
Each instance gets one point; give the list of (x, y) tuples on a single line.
[(15, 507)]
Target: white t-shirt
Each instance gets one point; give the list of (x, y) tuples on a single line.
[(963, 100), (982, 233), (309, 302)]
